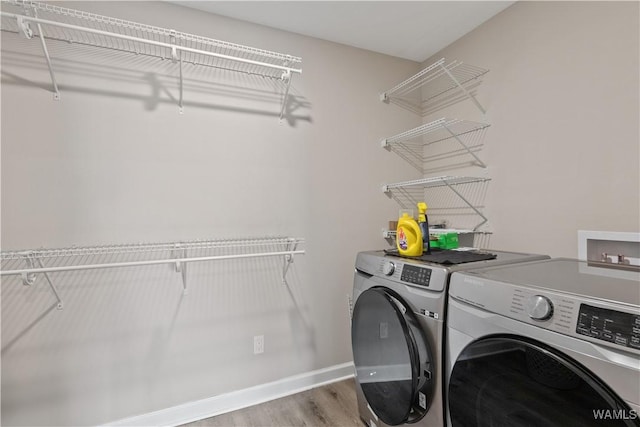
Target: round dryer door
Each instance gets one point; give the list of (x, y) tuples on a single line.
[(512, 381), (392, 357)]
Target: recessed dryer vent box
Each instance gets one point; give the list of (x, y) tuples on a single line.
[(610, 249)]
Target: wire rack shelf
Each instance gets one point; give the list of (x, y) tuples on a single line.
[(469, 239), (50, 22), (438, 231), (449, 197), (29, 263), (411, 145), (437, 86)]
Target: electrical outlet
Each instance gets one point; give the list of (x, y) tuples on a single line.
[(258, 344)]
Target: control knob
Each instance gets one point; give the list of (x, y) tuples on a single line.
[(388, 268), (539, 307)]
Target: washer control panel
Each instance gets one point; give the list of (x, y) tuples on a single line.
[(416, 275), (609, 325)]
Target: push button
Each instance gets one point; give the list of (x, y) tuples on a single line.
[(621, 340), (583, 331), (607, 336)]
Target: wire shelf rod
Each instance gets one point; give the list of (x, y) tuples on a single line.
[(438, 181), (30, 263), (436, 81), (408, 193), (450, 230), (432, 76), (147, 262), (413, 78), (437, 130), (139, 28), (142, 248), (153, 42)]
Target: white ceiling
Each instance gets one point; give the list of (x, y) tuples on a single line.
[(412, 30)]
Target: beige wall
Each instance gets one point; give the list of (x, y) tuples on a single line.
[(562, 101), (114, 162)]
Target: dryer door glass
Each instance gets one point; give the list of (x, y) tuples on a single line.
[(510, 381), (391, 356)]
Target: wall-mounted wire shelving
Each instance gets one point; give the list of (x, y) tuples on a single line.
[(468, 238), (391, 234), (50, 22), (30, 263), (412, 145), (469, 193), (437, 86)]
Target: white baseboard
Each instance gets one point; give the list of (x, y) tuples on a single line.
[(210, 407)]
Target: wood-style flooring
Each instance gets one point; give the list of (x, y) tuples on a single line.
[(332, 405)]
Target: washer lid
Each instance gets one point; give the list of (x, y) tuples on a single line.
[(570, 276)]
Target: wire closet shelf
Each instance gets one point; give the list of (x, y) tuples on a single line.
[(437, 86), (29, 263), (75, 26), (407, 194), (411, 144)]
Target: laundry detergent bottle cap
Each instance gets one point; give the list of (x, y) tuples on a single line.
[(408, 236)]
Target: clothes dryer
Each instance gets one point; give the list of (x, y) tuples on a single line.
[(398, 333), (553, 343)]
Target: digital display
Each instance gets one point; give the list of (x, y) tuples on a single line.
[(609, 325), (416, 275)]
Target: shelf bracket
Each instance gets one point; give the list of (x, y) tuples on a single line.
[(181, 267), (457, 138), (56, 92), (181, 107), (484, 218), (286, 77), (27, 32), (177, 58), (51, 285), (28, 279), (462, 88), (288, 260), (25, 29)]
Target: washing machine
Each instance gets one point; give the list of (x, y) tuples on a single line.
[(397, 331), (549, 343)]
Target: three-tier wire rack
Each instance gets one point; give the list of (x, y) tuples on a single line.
[(454, 200)]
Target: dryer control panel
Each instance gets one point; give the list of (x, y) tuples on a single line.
[(609, 325), (613, 325)]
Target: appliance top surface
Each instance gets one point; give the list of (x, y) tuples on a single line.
[(570, 276), (502, 258)]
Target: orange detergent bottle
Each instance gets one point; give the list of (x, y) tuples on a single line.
[(408, 236)]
